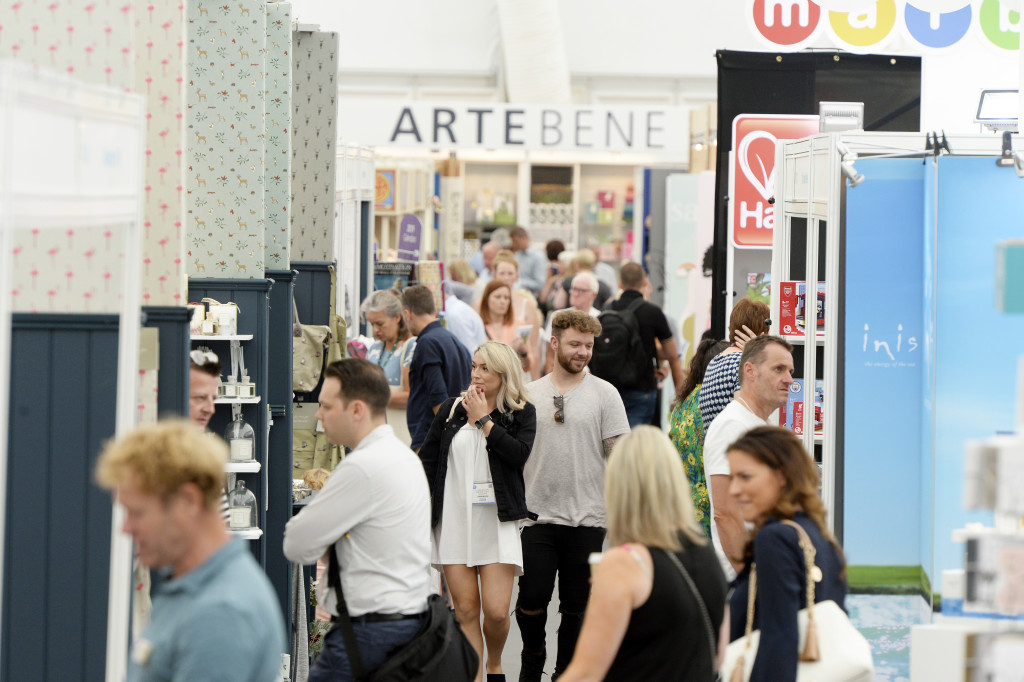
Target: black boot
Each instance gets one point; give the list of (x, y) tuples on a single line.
[(531, 629), (568, 633)]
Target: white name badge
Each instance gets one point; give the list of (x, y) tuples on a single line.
[(483, 493)]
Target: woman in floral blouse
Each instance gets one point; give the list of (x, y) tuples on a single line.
[(687, 430)]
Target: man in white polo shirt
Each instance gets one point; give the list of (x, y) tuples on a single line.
[(766, 372), (373, 515)]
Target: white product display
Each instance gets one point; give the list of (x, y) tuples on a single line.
[(241, 507), (241, 437)]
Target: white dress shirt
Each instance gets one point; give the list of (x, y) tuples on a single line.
[(375, 509)]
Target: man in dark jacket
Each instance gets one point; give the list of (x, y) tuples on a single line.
[(440, 366)]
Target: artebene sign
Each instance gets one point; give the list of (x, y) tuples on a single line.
[(659, 130), (930, 24), (752, 180)]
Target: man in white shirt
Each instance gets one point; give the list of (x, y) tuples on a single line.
[(766, 372), (582, 294), (464, 322), (372, 517)]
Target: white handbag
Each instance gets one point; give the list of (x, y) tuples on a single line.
[(835, 651)]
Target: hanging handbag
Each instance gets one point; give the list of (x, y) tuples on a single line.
[(832, 649), (309, 350), (439, 652)]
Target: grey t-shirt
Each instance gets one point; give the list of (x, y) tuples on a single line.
[(565, 472)]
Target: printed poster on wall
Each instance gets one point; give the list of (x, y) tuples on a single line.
[(384, 194), (752, 176)]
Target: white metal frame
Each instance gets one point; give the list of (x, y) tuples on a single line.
[(26, 200), (809, 183), (355, 179)]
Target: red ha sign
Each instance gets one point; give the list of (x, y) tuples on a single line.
[(753, 172)]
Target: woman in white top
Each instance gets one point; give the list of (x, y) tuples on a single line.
[(473, 456), (392, 352)]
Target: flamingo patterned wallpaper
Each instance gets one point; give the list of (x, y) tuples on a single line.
[(279, 136), (225, 137), (135, 46), (314, 134)]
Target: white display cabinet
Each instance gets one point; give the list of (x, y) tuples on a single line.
[(562, 208), (354, 218), (71, 157), (805, 247)]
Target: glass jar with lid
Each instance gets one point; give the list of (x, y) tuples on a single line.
[(241, 437), (241, 507)]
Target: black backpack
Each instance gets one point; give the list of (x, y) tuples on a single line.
[(619, 355)]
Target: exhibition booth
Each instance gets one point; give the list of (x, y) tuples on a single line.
[(234, 203)]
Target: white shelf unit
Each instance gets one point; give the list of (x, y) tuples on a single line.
[(242, 467), (353, 227), (248, 534), (495, 174), (808, 189), (218, 337), (596, 178), (237, 401)]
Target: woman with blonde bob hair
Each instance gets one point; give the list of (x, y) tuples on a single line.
[(658, 598), (473, 456)]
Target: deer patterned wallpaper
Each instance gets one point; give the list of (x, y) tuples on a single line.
[(278, 124), (126, 45), (224, 140), (314, 132)]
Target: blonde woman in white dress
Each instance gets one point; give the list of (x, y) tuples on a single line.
[(473, 456)]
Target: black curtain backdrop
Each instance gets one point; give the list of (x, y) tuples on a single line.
[(779, 83)]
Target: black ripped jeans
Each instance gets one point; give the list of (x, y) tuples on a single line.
[(550, 549)]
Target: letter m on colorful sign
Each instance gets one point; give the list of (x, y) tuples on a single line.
[(752, 180)]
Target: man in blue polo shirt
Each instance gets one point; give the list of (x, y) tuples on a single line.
[(215, 615), (440, 366)]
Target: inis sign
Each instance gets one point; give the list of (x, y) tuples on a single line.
[(490, 125), (752, 176), (931, 24)]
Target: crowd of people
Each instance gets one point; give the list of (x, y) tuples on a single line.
[(492, 462)]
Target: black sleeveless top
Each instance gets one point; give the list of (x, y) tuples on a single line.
[(666, 639)]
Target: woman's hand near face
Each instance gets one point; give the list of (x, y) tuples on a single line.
[(743, 335), (475, 403)]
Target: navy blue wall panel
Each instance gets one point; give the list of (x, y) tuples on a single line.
[(252, 297), (172, 386), (312, 291), (56, 573), (279, 396)]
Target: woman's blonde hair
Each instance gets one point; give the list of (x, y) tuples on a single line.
[(461, 272), (505, 256), (647, 493), (503, 361)]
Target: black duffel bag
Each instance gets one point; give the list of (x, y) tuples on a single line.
[(439, 652)]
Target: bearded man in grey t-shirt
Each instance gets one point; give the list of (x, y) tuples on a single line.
[(579, 418)]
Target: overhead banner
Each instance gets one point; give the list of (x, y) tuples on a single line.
[(380, 123), (865, 26), (752, 177)]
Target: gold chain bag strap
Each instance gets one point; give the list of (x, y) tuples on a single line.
[(849, 656)]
